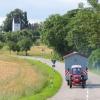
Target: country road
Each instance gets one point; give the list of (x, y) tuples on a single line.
[(91, 92)]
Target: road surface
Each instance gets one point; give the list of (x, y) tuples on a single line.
[(91, 92)]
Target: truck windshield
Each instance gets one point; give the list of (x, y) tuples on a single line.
[(76, 71)]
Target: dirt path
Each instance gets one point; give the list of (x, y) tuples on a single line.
[(92, 92)]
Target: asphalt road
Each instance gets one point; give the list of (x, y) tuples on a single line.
[(91, 92)]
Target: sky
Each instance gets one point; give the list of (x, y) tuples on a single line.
[(38, 10)]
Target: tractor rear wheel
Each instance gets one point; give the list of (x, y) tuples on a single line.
[(70, 84), (83, 84)]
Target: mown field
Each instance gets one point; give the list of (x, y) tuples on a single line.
[(22, 79)]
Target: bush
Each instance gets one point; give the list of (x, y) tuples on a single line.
[(1, 45), (94, 59)]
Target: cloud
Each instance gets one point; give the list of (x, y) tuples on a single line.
[(1, 20), (35, 20), (39, 9)]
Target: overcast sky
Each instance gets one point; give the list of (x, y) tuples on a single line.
[(38, 10)]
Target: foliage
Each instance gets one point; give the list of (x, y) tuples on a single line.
[(11, 40), (95, 4), (55, 56), (84, 32), (2, 40), (78, 30), (20, 41), (94, 59), (2, 37), (25, 44), (1, 45), (55, 31)]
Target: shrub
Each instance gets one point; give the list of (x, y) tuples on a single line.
[(94, 59)]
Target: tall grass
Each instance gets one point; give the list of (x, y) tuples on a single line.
[(19, 84), (95, 70), (47, 85), (53, 84)]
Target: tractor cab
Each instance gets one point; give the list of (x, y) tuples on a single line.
[(76, 76), (76, 70)]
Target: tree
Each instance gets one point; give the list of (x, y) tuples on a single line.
[(11, 41), (53, 34), (21, 40), (35, 30), (84, 31), (2, 37), (2, 40), (25, 44), (95, 4), (24, 21), (94, 59), (18, 15), (1, 45), (26, 40), (55, 30), (1, 29), (81, 5)]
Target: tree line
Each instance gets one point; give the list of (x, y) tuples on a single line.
[(21, 40), (19, 17), (77, 30), (18, 41)]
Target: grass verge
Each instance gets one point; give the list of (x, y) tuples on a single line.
[(51, 87), (96, 71)]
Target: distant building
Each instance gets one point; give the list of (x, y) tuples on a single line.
[(16, 24)]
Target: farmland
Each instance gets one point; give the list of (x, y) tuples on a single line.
[(22, 79), (41, 51), (18, 78)]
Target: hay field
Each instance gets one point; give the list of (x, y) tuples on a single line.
[(41, 51), (18, 78)]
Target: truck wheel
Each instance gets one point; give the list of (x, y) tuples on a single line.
[(67, 82), (70, 84), (83, 84)]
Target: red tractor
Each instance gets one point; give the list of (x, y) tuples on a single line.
[(77, 76)]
